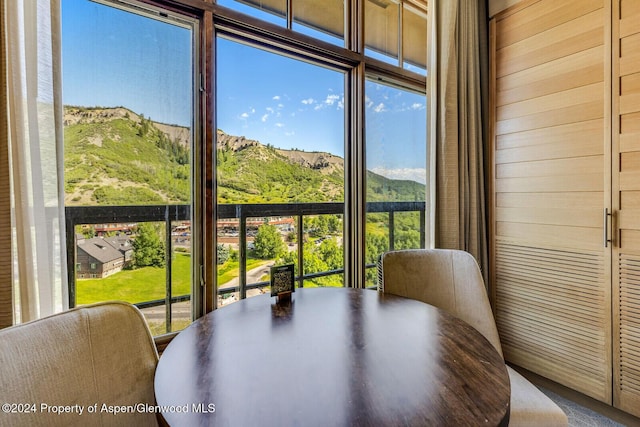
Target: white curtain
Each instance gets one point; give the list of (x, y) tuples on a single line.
[(36, 164)]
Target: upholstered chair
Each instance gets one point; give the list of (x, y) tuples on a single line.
[(451, 280), (99, 359)]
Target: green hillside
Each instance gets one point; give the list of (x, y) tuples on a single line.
[(114, 156), (259, 174)]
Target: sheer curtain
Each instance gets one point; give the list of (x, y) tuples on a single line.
[(6, 305), (32, 34), (462, 90)]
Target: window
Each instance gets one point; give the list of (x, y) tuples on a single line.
[(381, 29), (280, 150), (414, 36), (288, 181), (274, 11), (128, 73), (396, 149), (322, 19), (394, 115), (396, 32)]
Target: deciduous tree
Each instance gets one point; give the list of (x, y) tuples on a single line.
[(148, 247), (268, 242)]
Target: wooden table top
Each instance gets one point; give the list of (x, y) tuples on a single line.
[(333, 357)]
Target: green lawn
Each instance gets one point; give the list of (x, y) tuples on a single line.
[(144, 284), (229, 270), (148, 283)]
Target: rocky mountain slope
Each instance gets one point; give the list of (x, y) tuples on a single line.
[(114, 156)]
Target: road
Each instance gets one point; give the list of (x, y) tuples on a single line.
[(254, 275), (182, 310)]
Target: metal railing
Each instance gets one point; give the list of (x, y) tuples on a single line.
[(93, 215)]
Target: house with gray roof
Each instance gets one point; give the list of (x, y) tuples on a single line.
[(100, 257)]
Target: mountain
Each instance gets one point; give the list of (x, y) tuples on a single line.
[(114, 156), (250, 172)]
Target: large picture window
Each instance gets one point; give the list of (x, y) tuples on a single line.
[(128, 158), (298, 136), (395, 132), (280, 150)]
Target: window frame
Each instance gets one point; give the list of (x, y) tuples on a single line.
[(358, 67), (190, 16), (217, 20)]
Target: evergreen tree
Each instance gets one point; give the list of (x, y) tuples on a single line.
[(223, 253)]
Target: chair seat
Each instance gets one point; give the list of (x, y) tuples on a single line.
[(530, 406)]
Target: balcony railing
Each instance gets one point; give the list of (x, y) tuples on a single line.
[(93, 215)]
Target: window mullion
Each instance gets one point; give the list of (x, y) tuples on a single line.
[(290, 14), (355, 190)]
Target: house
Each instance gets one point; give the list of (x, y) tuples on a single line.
[(99, 257)]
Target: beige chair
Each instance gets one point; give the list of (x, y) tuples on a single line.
[(101, 354), (451, 280)]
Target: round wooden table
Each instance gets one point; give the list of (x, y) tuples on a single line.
[(332, 357)]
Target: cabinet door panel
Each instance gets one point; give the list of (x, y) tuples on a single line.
[(626, 204), (551, 273)]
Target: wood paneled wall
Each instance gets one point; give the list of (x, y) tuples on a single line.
[(626, 204), (551, 100)]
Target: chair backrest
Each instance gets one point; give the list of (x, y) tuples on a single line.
[(447, 279), (100, 354)]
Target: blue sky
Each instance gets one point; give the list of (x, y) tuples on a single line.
[(113, 58), (283, 102)]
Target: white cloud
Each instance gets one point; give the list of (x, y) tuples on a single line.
[(276, 98), (417, 106), (244, 115), (280, 106), (290, 133), (270, 110), (280, 125), (265, 117), (379, 108), (410, 174), (308, 101), (331, 99)]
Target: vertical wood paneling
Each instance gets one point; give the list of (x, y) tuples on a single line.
[(626, 204), (551, 158)]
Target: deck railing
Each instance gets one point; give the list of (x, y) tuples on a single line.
[(92, 215)]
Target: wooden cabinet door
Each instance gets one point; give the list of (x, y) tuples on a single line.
[(626, 203), (551, 272)]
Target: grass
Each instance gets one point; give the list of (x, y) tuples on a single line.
[(148, 283), (143, 284), (159, 328), (231, 269)]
